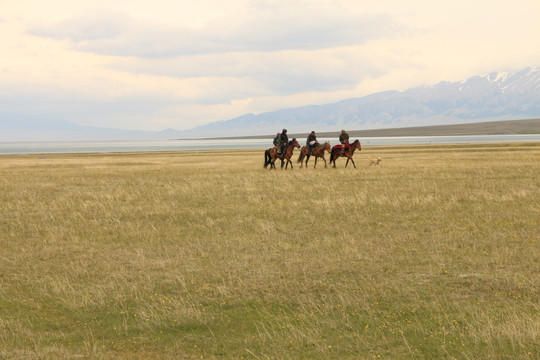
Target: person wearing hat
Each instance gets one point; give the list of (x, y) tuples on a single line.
[(311, 142), (283, 140)]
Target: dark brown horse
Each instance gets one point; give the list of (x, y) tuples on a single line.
[(271, 155), (317, 152), (336, 152)]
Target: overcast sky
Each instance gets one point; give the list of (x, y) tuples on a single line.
[(159, 64)]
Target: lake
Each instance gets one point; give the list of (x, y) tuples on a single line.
[(226, 144)]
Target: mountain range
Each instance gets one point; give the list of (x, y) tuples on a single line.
[(495, 96)]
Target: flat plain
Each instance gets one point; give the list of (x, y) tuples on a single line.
[(434, 254)]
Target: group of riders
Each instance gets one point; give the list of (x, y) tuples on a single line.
[(282, 139)]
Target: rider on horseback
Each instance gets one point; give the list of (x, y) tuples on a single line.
[(276, 139), (344, 140), (311, 142), (283, 140)]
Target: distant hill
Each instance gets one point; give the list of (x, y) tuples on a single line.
[(18, 128), (509, 127), (512, 127)]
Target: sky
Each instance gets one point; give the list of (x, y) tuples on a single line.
[(152, 65)]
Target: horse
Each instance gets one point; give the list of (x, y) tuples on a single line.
[(336, 152), (270, 155), (317, 152)]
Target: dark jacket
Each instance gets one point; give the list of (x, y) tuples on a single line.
[(276, 141), (284, 139), (311, 138), (344, 138)]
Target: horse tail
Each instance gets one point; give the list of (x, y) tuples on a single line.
[(266, 158), (332, 157), (300, 157)]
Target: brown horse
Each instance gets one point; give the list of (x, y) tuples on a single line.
[(336, 152), (317, 152), (270, 155)]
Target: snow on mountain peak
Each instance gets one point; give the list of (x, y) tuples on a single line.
[(498, 76)]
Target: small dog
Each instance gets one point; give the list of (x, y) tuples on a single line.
[(374, 161)]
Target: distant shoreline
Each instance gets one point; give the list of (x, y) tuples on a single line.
[(505, 127)]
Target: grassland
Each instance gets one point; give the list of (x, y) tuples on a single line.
[(432, 255)]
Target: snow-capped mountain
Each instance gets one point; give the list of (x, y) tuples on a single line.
[(495, 96)]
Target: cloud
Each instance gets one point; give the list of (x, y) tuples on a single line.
[(264, 73), (93, 26), (277, 28), (270, 48)]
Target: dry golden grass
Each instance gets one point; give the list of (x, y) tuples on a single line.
[(432, 254)]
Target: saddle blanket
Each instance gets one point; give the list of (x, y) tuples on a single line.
[(338, 147)]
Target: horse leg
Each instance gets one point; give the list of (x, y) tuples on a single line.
[(353, 163), (273, 162), (325, 166), (316, 158), (269, 160), (347, 163)]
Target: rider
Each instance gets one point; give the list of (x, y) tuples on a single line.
[(311, 142), (344, 140), (276, 139), (283, 140)]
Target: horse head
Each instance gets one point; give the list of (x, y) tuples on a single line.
[(356, 144), (294, 143), (327, 146)]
